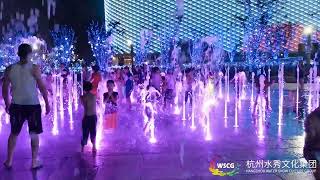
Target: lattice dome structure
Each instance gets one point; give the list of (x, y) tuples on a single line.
[(201, 18)]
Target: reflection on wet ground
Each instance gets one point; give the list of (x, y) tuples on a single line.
[(179, 153)]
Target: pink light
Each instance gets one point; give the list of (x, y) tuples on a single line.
[(315, 88), (242, 86), (236, 103), (184, 102), (228, 84), (81, 83), (262, 105), (99, 136), (193, 126), (220, 84), (70, 116), (297, 96), (184, 110), (132, 96), (152, 140), (226, 101), (208, 132), (208, 137), (42, 104), (310, 91), (149, 122), (178, 88), (262, 111), (269, 89), (280, 130), (61, 101), (75, 91), (281, 86), (206, 111), (152, 133), (177, 110), (100, 112), (252, 89), (70, 99), (55, 130)]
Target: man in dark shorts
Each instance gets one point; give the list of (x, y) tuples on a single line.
[(24, 78)]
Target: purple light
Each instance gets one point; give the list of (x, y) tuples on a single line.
[(310, 91), (208, 133), (228, 84), (61, 100), (226, 101), (177, 110), (236, 125), (206, 110), (269, 88), (149, 121), (55, 130), (262, 112), (193, 126), (220, 84), (75, 91), (70, 111), (252, 90), (281, 86)]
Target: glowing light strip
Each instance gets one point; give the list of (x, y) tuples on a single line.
[(281, 86)]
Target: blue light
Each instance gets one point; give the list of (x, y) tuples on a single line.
[(101, 48), (64, 39)]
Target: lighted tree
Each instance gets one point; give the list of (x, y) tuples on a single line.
[(100, 40), (63, 51), (11, 39), (144, 46), (261, 41)]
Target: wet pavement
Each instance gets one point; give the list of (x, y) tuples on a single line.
[(179, 153)]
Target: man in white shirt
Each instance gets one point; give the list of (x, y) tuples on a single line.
[(24, 78)]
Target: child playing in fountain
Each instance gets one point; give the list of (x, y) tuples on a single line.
[(151, 99), (262, 85), (155, 80), (168, 95), (128, 85), (89, 122), (189, 82), (95, 79), (110, 99)]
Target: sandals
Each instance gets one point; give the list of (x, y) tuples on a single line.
[(7, 166), (37, 166)]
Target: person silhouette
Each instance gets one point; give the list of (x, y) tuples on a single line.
[(24, 78)]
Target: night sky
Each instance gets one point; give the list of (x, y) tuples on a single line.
[(75, 13)]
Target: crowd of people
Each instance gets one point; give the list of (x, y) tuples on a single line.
[(154, 87)]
